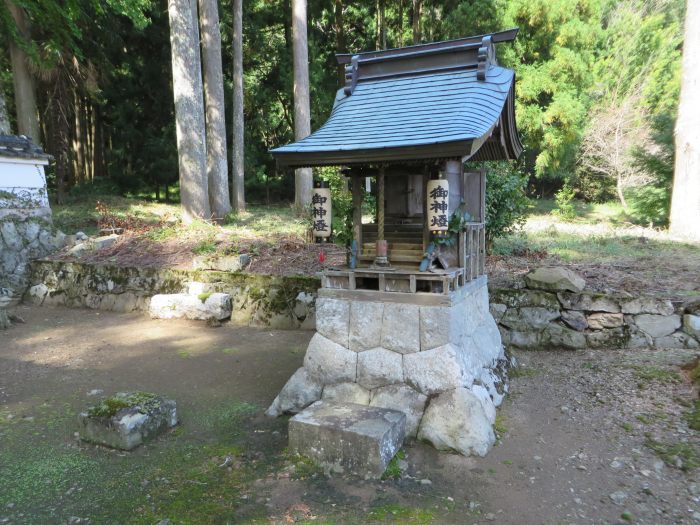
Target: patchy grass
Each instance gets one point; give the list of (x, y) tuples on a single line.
[(693, 416), (392, 513), (654, 373), (393, 471), (522, 371), (600, 242), (81, 214), (678, 455)]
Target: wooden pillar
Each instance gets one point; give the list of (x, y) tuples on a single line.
[(475, 194), (382, 251), (357, 209), (426, 229), (453, 174), (380, 204)]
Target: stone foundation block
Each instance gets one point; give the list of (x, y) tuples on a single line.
[(127, 420), (299, 392), (401, 328), (333, 319), (404, 399), (365, 325), (436, 370), (346, 393), (455, 420), (328, 362), (348, 438), (379, 367)]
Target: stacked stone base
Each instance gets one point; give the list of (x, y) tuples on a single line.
[(437, 359)]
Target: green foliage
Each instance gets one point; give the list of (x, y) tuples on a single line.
[(342, 204), (565, 203), (651, 203), (506, 203)]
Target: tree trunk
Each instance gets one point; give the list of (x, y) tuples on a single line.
[(340, 45), (238, 157), (303, 180), (25, 91), (417, 4), (189, 110), (4, 117), (400, 16), (217, 156), (685, 201)]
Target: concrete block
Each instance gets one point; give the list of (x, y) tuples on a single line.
[(348, 438), (127, 420)]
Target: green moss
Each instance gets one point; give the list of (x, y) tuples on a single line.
[(109, 407), (393, 471), (204, 296), (499, 426)]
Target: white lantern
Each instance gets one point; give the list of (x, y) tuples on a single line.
[(321, 209), (438, 204)]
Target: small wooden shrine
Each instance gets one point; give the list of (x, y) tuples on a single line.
[(406, 326), (407, 117)]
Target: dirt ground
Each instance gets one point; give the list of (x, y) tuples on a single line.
[(585, 437)]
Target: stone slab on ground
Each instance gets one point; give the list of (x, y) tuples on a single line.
[(184, 306), (127, 420), (557, 279), (345, 437)]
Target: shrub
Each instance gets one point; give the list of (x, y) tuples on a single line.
[(506, 203), (564, 199)]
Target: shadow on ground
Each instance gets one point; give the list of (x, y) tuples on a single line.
[(585, 437)]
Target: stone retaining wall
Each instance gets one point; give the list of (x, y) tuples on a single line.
[(258, 300), (527, 317), (536, 319), (24, 236)]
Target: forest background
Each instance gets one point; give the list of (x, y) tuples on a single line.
[(597, 89)]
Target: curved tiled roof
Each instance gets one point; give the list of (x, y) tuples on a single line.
[(414, 116)]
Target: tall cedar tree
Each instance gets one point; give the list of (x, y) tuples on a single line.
[(189, 110), (685, 201)]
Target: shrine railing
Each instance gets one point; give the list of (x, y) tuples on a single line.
[(472, 250)]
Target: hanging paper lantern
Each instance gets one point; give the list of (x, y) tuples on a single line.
[(321, 209), (437, 212)]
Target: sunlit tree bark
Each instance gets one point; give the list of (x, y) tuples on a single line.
[(303, 181), (217, 156), (685, 200), (238, 162), (25, 89), (189, 110)]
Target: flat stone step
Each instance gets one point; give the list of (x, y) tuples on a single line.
[(350, 438)]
